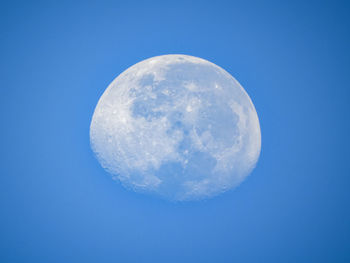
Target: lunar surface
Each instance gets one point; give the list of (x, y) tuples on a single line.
[(176, 126)]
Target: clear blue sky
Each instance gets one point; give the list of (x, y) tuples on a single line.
[(58, 205)]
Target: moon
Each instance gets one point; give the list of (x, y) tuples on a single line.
[(176, 126)]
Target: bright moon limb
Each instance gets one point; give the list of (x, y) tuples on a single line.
[(177, 126)]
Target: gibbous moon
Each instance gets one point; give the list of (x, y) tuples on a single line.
[(176, 126)]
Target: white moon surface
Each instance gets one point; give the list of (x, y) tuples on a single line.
[(177, 126)]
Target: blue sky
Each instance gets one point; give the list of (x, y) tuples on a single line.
[(58, 204)]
